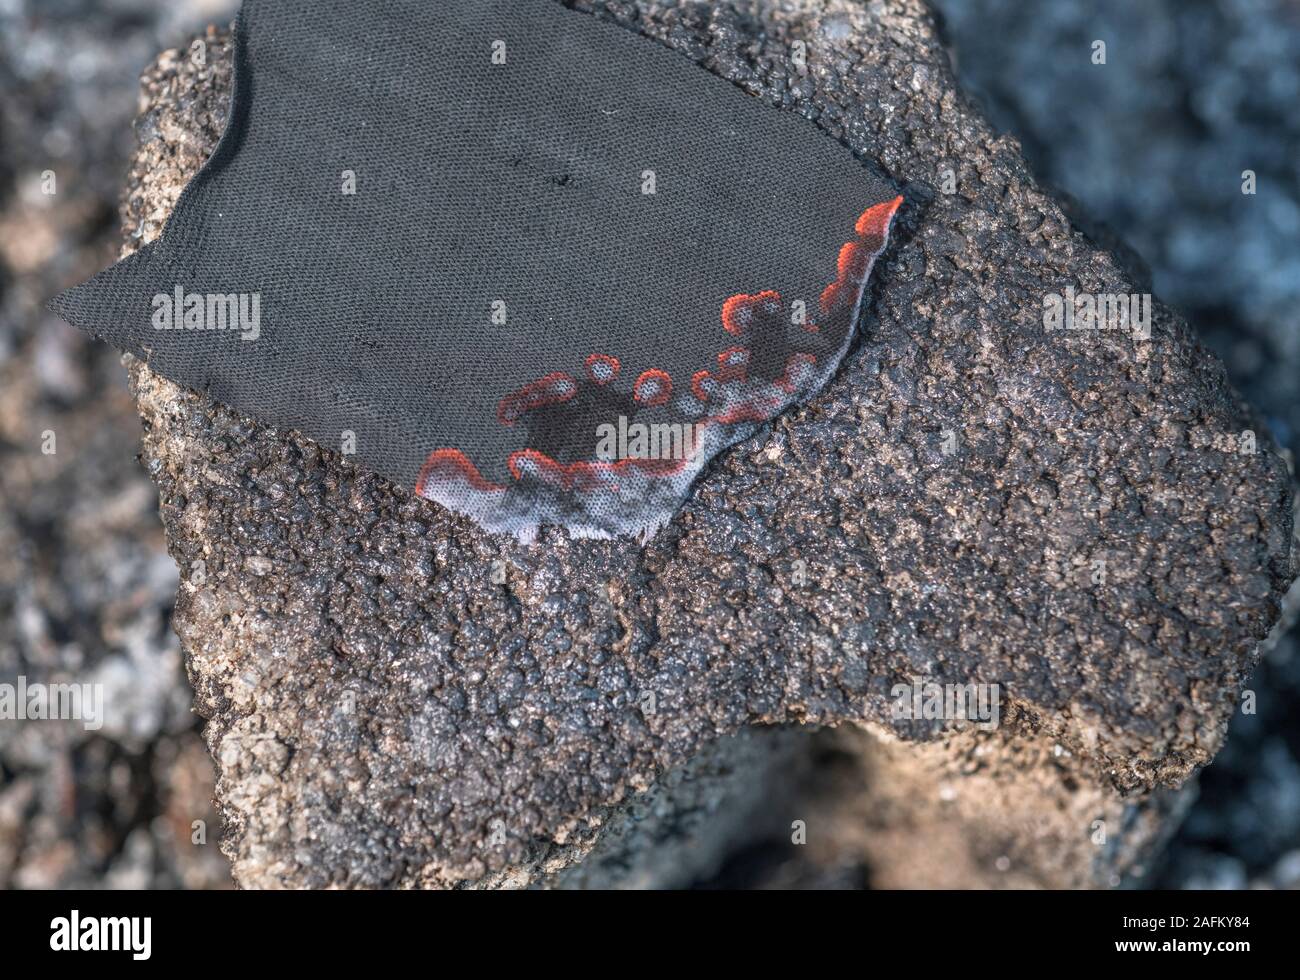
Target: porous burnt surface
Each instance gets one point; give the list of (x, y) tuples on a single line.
[(396, 698)]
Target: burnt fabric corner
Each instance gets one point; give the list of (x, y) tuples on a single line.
[(535, 266)]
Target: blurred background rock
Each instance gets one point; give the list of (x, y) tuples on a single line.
[(86, 586), (1151, 145)]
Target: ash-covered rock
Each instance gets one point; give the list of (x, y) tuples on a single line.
[(396, 698), (1154, 143)]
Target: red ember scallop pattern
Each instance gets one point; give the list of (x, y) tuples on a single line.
[(729, 384)]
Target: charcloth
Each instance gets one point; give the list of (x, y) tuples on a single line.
[(535, 266)]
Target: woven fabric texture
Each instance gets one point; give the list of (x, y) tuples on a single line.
[(534, 266)]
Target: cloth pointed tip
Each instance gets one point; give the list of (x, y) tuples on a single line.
[(79, 306), (71, 305), (105, 305)]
